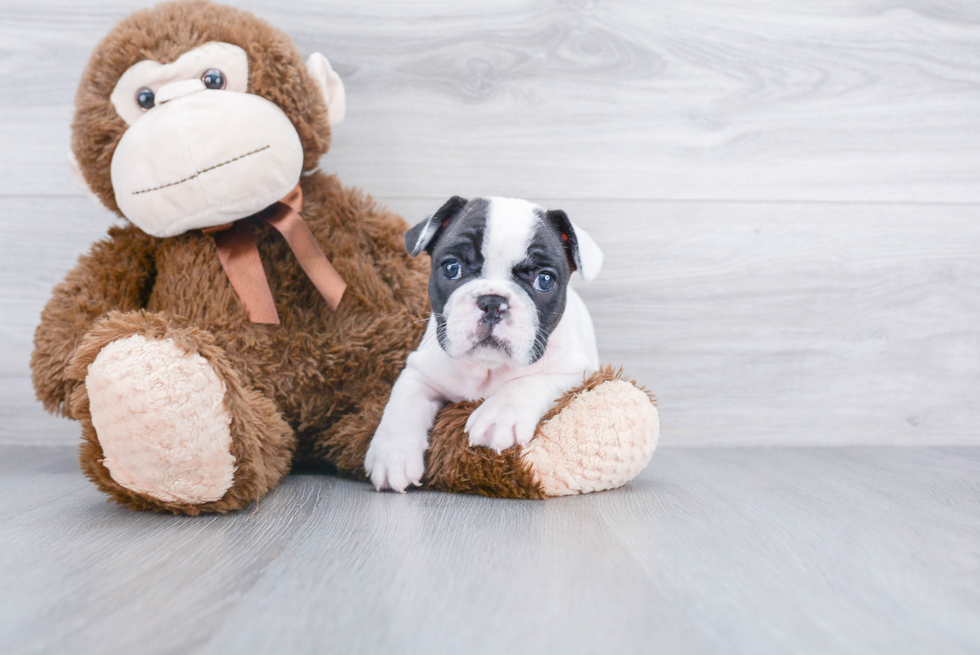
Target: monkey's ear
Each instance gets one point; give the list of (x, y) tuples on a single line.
[(76, 172), (330, 85), (421, 236)]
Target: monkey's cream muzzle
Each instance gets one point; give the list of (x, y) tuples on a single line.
[(201, 153), (202, 158)]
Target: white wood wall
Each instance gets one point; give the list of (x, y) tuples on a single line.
[(788, 193)]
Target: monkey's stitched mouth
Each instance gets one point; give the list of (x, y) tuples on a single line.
[(203, 171)]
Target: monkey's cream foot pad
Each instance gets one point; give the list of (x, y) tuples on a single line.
[(601, 440), (161, 421)]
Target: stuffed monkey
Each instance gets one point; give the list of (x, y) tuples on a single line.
[(252, 313)]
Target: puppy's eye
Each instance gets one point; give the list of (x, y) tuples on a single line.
[(144, 98), (545, 281), (213, 79), (451, 270)]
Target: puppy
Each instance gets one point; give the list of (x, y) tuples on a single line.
[(505, 327)]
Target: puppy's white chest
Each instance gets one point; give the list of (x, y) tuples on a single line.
[(475, 383)]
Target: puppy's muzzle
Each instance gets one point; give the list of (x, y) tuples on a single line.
[(494, 308)]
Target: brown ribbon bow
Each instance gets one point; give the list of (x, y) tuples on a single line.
[(239, 257)]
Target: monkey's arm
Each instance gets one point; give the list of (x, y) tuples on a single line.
[(117, 274)]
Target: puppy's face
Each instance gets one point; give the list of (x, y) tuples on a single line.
[(500, 271)]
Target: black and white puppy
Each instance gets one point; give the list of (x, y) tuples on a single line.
[(505, 327)]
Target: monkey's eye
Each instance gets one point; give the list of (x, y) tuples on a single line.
[(144, 98), (451, 270), (545, 281), (213, 79)]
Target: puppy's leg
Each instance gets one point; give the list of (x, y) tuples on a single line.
[(396, 457), (510, 416)]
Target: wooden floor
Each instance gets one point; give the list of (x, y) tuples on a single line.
[(716, 550)]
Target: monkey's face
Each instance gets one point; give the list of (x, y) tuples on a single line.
[(201, 141), (200, 150)]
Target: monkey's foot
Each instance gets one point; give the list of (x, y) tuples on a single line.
[(160, 417), (168, 423), (599, 437)]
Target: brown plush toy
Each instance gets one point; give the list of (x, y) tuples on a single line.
[(253, 313)]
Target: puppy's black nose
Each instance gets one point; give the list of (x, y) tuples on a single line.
[(493, 307)]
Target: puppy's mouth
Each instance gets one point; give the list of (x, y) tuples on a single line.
[(485, 340), (491, 342)]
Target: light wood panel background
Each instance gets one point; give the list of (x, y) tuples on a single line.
[(787, 192)]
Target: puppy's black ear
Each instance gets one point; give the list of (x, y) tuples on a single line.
[(582, 250), (422, 236)]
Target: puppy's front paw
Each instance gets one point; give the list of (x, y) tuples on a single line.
[(395, 462), (501, 422)]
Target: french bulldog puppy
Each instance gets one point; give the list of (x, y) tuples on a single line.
[(505, 327)]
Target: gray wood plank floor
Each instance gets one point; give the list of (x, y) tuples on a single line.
[(719, 550)]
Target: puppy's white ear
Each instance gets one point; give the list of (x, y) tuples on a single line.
[(585, 252), (76, 172), (589, 257), (331, 86), (421, 236)]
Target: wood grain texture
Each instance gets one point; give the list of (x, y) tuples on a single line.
[(787, 195), (754, 323), (748, 550), (856, 100)]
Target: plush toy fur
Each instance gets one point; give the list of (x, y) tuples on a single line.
[(308, 391), (163, 33), (598, 436)]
